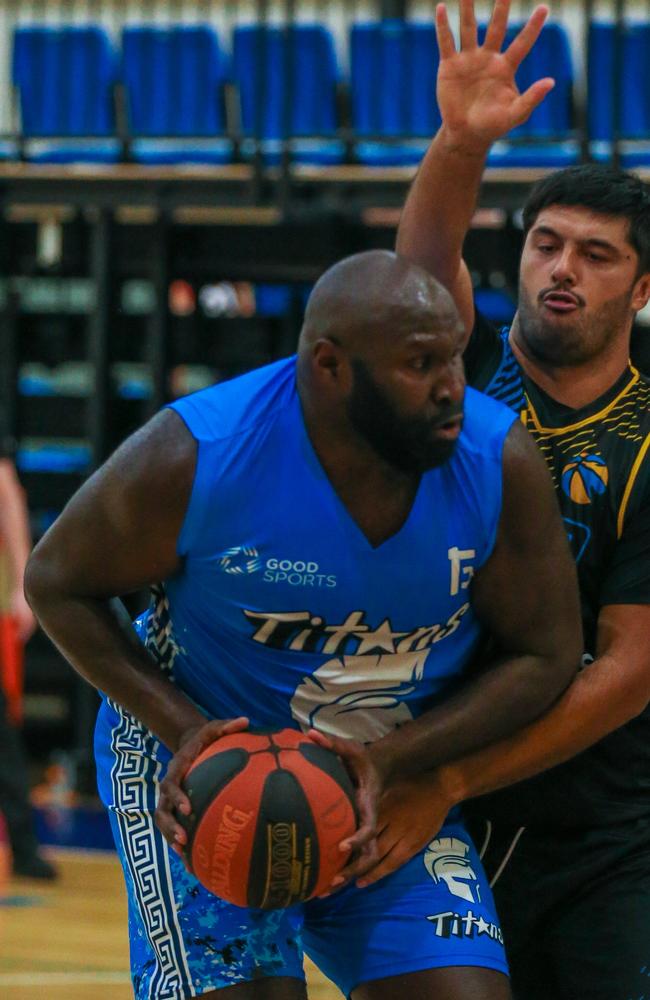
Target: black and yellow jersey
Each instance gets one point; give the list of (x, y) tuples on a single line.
[(599, 458)]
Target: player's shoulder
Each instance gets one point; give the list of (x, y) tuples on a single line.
[(240, 405), (485, 426)]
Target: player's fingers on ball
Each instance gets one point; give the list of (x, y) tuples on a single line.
[(363, 862), (167, 825), (180, 835), (178, 800), (364, 835), (321, 739), (181, 761), (366, 799), (387, 864), (173, 833), (237, 725), (208, 733)]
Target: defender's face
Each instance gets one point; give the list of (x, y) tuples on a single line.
[(407, 400), (578, 285)]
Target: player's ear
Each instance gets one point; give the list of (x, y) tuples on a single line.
[(330, 362), (641, 292)]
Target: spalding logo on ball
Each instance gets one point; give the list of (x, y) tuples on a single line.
[(268, 813), (584, 477)]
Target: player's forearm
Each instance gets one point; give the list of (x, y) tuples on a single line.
[(14, 524), (102, 647), (491, 708), (589, 710), (439, 208)]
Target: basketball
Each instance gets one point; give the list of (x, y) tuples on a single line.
[(268, 813)]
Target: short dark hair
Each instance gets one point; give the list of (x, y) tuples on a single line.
[(602, 189)]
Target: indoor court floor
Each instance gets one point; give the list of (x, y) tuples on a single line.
[(68, 941)]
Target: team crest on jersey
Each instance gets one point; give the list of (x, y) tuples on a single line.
[(585, 477), (239, 560)]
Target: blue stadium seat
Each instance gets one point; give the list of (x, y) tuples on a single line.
[(272, 66), (173, 78), (634, 94), (496, 305), (550, 127), (393, 78), (65, 78)]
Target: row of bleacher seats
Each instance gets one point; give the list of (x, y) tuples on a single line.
[(288, 85)]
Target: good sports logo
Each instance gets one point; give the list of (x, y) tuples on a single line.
[(585, 477), (244, 560)]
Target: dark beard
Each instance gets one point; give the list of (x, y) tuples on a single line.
[(404, 442), (575, 343)]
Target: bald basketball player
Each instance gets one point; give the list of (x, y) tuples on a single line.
[(327, 539)]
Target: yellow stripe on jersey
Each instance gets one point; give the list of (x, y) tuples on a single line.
[(638, 462), (554, 431)]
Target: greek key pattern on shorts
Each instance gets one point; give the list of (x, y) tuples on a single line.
[(134, 777), (159, 637)]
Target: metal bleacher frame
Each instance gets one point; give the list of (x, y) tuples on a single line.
[(195, 220)]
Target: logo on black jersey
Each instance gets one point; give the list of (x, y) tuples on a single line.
[(585, 477), (239, 560)]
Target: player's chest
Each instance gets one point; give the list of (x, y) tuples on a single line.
[(315, 567)]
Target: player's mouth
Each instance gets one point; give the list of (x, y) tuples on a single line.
[(560, 302), (449, 429)]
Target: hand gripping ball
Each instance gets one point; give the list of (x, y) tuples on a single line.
[(268, 813)]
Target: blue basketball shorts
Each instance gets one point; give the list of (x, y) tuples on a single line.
[(436, 911)]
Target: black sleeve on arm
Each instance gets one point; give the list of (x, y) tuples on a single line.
[(483, 352), (628, 577)]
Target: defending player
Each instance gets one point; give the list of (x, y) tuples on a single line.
[(569, 852), (316, 525)]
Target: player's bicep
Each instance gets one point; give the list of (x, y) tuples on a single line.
[(527, 593), (119, 532)]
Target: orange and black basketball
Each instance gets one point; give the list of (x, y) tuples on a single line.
[(268, 813)]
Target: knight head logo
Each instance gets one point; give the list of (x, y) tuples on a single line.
[(585, 477), (446, 861)]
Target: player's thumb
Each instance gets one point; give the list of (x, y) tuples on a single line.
[(526, 103)]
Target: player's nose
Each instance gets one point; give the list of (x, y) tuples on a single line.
[(450, 389), (564, 268)]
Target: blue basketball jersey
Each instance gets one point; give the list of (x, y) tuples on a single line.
[(283, 611)]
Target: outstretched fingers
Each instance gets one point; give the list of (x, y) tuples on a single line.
[(498, 26), (444, 34), (523, 42), (468, 29)]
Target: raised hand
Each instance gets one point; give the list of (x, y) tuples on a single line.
[(477, 95)]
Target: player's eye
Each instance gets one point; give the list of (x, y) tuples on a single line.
[(545, 247), (421, 363)]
